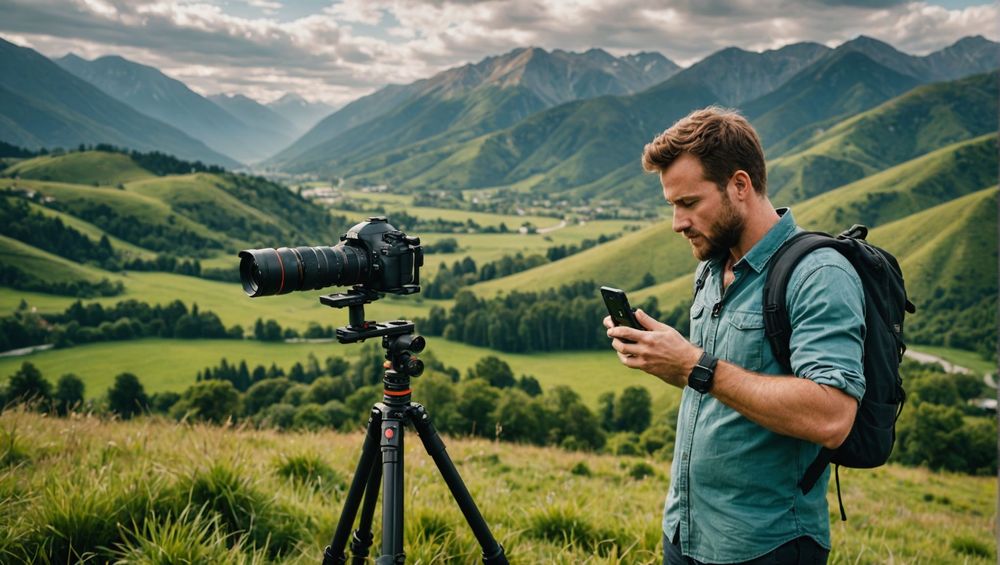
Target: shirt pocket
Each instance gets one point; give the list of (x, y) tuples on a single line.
[(697, 324), (745, 340)]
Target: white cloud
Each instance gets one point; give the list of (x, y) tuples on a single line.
[(351, 47)]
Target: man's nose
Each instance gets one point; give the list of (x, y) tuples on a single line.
[(680, 221)]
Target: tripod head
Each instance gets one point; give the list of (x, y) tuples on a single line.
[(400, 344)]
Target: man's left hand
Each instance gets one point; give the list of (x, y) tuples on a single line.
[(660, 351)]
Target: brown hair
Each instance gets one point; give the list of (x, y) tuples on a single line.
[(722, 139)]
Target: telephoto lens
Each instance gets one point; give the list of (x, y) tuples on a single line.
[(269, 271)]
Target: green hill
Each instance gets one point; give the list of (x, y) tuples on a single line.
[(948, 255), (920, 121), (140, 220), (87, 167), (905, 189), (621, 263), (43, 265)]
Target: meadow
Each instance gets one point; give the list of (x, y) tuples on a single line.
[(150, 490)]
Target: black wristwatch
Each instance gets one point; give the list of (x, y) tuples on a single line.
[(703, 374)]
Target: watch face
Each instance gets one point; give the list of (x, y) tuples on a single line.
[(701, 379)]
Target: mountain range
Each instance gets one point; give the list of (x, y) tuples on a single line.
[(587, 147), (43, 105)]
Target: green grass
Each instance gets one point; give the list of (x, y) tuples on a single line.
[(171, 364), (536, 506), (42, 264), (88, 167)]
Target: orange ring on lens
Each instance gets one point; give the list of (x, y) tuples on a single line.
[(399, 393)]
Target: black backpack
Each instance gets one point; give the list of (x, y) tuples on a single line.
[(874, 433), (871, 439)]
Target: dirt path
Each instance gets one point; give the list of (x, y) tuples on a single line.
[(948, 366)]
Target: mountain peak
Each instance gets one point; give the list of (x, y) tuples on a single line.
[(865, 42)]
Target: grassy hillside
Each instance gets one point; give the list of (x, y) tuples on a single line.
[(43, 265), (141, 220), (914, 186), (93, 232), (915, 123), (621, 263), (87, 167), (65, 478)]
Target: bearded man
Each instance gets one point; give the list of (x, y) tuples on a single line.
[(746, 430)]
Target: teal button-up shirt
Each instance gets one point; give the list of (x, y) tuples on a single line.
[(733, 494)]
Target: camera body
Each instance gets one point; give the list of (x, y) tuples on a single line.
[(395, 258), (372, 255)]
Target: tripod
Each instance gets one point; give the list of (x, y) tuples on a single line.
[(385, 434)]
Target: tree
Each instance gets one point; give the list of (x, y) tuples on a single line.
[(265, 393), (28, 385), (69, 393), (214, 401), (494, 371), (126, 397), (633, 410)]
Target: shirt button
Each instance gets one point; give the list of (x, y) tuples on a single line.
[(684, 456)]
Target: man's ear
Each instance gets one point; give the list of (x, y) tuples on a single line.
[(741, 182)]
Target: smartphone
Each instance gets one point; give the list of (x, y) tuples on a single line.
[(621, 312)]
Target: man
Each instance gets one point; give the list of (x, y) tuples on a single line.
[(746, 430)]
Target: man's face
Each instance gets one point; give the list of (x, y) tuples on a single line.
[(702, 213)]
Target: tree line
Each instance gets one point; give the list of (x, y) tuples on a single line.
[(486, 402), (131, 319), (566, 318), (449, 280), (939, 428)]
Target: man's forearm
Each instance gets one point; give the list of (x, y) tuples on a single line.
[(787, 405)]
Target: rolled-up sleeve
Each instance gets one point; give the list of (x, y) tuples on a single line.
[(826, 306)]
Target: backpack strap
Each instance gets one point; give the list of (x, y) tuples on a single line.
[(777, 323), (700, 277)]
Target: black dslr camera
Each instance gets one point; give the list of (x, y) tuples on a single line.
[(373, 256)]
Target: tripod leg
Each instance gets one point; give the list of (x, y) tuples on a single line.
[(493, 553), (334, 553), (363, 536), (392, 488)]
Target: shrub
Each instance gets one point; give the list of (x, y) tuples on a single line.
[(641, 470), (309, 470), (127, 397), (971, 546), (562, 525), (242, 510), (12, 451), (190, 537), (215, 401), (580, 469)]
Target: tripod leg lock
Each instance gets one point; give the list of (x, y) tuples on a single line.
[(497, 558)]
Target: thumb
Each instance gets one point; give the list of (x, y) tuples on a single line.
[(648, 321)]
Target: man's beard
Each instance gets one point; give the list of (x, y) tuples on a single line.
[(726, 232)]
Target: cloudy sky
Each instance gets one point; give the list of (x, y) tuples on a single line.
[(337, 50)]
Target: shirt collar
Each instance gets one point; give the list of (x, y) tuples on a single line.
[(761, 252)]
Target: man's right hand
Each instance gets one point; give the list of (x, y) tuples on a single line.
[(660, 350)]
